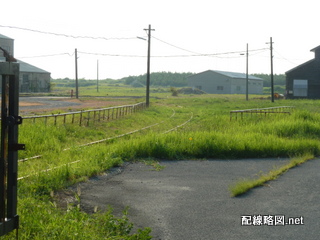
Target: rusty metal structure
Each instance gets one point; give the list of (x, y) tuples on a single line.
[(9, 76)]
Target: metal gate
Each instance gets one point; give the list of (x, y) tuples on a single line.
[(9, 76)]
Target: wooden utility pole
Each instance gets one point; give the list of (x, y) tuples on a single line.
[(271, 57), (76, 63), (148, 66), (247, 75), (97, 75)]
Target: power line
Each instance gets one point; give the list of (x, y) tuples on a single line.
[(175, 46), (218, 55), (111, 55), (49, 55), (282, 57), (67, 35), (197, 54)]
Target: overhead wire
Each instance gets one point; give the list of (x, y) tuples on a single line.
[(49, 55), (193, 53), (68, 35)]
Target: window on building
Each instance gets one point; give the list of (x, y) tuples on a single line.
[(220, 88), (25, 78)]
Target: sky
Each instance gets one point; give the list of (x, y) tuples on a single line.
[(189, 36)]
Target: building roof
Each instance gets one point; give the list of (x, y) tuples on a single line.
[(5, 37), (314, 49), (26, 67), (233, 74), (306, 63)]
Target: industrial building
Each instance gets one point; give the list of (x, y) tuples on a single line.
[(303, 81), (222, 82), (31, 78)]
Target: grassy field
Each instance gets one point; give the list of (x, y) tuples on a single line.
[(184, 127)]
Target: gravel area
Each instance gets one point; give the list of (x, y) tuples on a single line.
[(32, 105)]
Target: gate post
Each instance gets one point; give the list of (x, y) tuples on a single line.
[(9, 73)]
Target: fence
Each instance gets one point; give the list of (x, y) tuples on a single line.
[(265, 111), (86, 116)]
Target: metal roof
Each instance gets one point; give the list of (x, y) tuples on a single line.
[(26, 67), (5, 37), (235, 75), (314, 49)]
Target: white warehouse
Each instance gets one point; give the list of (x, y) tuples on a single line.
[(221, 82)]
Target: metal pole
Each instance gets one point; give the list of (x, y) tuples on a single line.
[(97, 75), (247, 76), (76, 63)]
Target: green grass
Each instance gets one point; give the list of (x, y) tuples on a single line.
[(210, 134), (244, 185)]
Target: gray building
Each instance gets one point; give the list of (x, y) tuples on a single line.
[(222, 82), (303, 81), (32, 79)]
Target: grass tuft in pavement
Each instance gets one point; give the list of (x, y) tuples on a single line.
[(244, 185)]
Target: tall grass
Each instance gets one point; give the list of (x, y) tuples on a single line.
[(210, 134)]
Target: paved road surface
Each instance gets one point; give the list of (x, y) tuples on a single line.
[(190, 199)]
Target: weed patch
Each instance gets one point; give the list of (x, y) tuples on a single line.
[(244, 185)]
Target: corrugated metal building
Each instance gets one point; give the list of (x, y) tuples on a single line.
[(303, 81), (222, 82), (32, 79)]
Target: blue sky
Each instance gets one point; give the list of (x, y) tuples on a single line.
[(189, 36)]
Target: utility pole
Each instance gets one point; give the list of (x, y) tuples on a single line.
[(271, 57), (97, 75), (76, 62), (148, 66), (247, 75)]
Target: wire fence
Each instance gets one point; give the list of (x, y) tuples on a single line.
[(260, 111), (85, 117)]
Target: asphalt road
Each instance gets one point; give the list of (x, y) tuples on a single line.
[(190, 199)]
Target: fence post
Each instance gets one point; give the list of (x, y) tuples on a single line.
[(88, 118), (80, 118)]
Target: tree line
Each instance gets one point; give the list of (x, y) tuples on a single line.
[(278, 79), (161, 79), (169, 79)]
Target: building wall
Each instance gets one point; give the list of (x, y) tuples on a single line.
[(238, 86), (8, 45), (212, 82), (309, 71), (34, 82), (29, 81)]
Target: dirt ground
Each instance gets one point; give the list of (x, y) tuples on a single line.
[(38, 105)]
